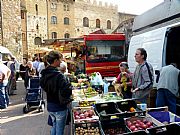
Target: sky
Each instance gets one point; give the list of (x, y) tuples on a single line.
[(134, 6)]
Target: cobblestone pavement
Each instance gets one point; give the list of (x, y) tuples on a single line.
[(14, 122)]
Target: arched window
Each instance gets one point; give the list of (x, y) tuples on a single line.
[(85, 22), (66, 21), (53, 20), (98, 23), (54, 35), (66, 35), (108, 24)]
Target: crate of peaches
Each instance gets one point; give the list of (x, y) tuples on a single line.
[(84, 114), (139, 123)]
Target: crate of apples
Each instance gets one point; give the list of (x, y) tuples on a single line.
[(139, 123), (84, 114)]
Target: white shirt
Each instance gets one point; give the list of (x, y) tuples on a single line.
[(4, 69), (40, 68)]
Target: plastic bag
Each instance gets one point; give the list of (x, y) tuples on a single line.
[(97, 79), (106, 85)]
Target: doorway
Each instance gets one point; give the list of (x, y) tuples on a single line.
[(173, 47)]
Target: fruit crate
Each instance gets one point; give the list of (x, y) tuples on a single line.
[(170, 129), (89, 128), (129, 108), (107, 110), (84, 114), (139, 123), (86, 103), (114, 127)]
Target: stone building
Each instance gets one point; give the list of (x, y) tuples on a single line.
[(54, 19), (11, 26), (90, 16), (125, 25), (34, 24)]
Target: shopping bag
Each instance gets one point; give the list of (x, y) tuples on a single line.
[(96, 79)]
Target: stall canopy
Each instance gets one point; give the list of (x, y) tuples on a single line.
[(59, 42)]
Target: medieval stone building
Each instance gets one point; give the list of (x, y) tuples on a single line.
[(55, 19)]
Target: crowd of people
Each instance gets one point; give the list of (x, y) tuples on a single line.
[(52, 69)]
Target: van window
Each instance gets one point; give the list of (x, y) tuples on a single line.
[(173, 46), (5, 56)]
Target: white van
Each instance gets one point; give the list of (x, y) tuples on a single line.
[(162, 46), (5, 54)]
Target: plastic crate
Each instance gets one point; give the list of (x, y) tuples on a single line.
[(164, 116), (136, 124), (84, 114), (85, 103), (137, 133), (107, 111), (125, 106), (170, 129), (114, 127), (87, 128)]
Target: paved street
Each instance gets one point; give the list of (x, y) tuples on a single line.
[(14, 122)]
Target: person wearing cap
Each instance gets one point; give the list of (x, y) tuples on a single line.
[(124, 79)]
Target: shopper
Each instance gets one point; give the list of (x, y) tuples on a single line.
[(11, 87), (124, 79), (5, 73), (30, 72), (58, 92), (167, 88), (142, 81), (23, 68)]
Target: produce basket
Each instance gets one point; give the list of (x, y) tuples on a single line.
[(139, 123), (170, 129), (84, 114), (107, 111), (114, 127), (129, 108), (88, 128)]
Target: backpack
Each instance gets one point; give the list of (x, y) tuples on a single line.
[(65, 99)]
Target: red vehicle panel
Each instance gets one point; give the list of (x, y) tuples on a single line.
[(104, 53)]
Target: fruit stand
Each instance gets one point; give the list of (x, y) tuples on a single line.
[(95, 113)]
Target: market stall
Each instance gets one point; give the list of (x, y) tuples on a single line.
[(97, 113)]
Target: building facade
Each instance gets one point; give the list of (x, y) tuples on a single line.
[(34, 18), (53, 19), (11, 26)]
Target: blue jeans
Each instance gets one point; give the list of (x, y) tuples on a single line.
[(166, 98), (59, 122), (4, 98)]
